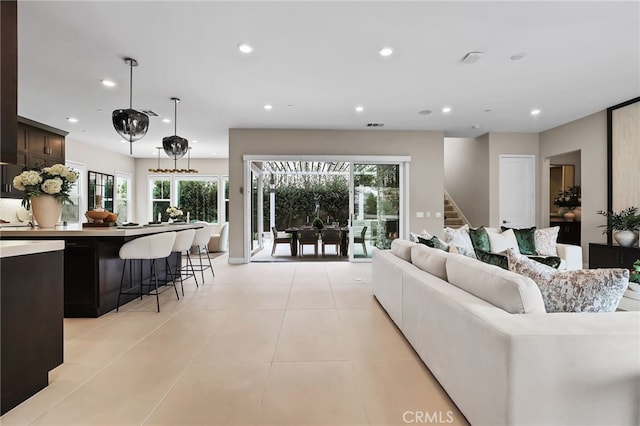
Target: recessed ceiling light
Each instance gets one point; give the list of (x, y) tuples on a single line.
[(245, 48), (518, 56), (446, 109), (166, 120), (72, 119), (268, 107), (359, 108), (424, 112), (475, 126), (194, 141), (99, 110), (108, 83), (214, 153), (535, 111), (487, 110), (123, 141), (385, 51), (471, 57)]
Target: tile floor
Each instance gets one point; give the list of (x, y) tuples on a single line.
[(261, 344)]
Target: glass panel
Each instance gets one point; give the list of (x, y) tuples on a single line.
[(122, 198), (72, 212), (100, 191), (160, 199), (199, 198), (376, 207)]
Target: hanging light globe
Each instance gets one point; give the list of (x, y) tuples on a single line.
[(130, 124), (175, 146)]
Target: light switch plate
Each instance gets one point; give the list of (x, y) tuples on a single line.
[(419, 214), (438, 214)]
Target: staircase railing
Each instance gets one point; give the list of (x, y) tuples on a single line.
[(455, 206)]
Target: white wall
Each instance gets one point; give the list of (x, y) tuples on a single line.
[(589, 136), (466, 176), (205, 167), (509, 143), (426, 170)]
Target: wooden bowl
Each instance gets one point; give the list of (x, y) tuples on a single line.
[(97, 216), (111, 217)]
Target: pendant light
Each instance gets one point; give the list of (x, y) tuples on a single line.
[(131, 124), (175, 146)]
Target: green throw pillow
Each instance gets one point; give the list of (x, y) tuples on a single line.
[(501, 259), (526, 239), (480, 239), (492, 258), (434, 242)]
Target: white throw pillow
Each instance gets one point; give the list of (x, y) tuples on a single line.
[(460, 239), (424, 234), (582, 290), (502, 241), (546, 241)]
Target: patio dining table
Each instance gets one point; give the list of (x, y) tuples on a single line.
[(344, 244)]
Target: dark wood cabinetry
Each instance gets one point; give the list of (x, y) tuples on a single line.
[(32, 324), (569, 231), (40, 144), (37, 145), (610, 256)]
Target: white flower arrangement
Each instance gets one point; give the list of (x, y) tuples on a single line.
[(174, 212), (55, 180)]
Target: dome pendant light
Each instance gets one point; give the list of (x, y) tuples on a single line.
[(131, 124), (175, 146)]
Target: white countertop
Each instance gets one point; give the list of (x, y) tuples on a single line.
[(22, 247), (77, 231)]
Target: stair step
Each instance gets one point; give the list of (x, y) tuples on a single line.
[(451, 215), (449, 208), (454, 221)]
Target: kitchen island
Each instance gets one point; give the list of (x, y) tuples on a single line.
[(31, 314), (92, 267)]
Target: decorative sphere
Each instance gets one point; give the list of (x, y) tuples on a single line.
[(130, 123), (175, 146)]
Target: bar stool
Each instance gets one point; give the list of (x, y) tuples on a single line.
[(184, 241), (200, 241), (151, 247)]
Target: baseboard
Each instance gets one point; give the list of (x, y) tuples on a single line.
[(236, 260)]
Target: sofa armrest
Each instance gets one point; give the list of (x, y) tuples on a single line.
[(571, 254)]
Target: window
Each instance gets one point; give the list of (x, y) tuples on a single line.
[(123, 195), (198, 196), (224, 214), (160, 197), (73, 213)]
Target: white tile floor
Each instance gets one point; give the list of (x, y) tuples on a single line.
[(261, 344)]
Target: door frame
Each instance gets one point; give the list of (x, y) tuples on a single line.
[(402, 160)]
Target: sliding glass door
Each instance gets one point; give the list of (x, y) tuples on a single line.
[(375, 208)]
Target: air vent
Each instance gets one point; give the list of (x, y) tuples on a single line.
[(375, 124), (149, 112)]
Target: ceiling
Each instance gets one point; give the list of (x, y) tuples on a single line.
[(315, 61)]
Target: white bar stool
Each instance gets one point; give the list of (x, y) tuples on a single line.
[(184, 241), (151, 247), (201, 241)]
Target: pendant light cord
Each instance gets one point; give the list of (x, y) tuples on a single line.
[(175, 117), (130, 84)]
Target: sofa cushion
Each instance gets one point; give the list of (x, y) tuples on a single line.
[(582, 290), (526, 238), (506, 290), (460, 239), (431, 260), (546, 239), (402, 248), (503, 241), (480, 239)]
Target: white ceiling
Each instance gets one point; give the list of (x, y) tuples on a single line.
[(315, 61)]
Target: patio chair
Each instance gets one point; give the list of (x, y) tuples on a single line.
[(361, 240), (308, 237), (331, 237), (279, 240)]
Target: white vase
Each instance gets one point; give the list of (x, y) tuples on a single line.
[(569, 216), (625, 238), (46, 210), (578, 213)]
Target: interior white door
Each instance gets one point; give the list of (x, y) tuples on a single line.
[(517, 191)]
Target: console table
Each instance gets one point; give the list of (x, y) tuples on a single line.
[(569, 231), (610, 256)]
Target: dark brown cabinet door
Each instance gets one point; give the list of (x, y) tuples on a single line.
[(55, 146), (605, 256), (39, 146)]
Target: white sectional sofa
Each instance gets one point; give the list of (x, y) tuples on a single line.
[(484, 334)]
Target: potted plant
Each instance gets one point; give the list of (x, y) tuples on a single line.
[(623, 225), (570, 199), (318, 223)]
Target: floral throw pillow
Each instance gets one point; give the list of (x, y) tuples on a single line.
[(545, 239), (460, 239), (582, 290)]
